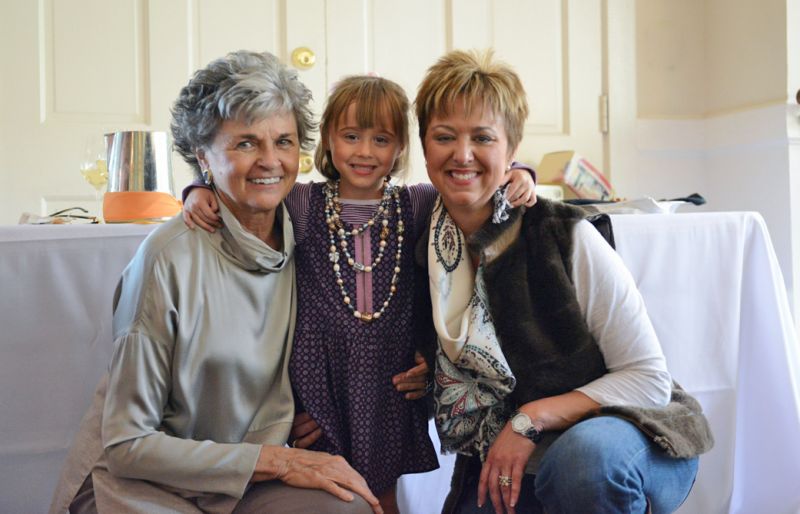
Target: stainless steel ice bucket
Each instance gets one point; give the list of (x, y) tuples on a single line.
[(139, 161)]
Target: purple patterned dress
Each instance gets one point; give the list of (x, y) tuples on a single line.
[(342, 368)]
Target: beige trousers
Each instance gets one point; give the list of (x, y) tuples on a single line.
[(261, 498)]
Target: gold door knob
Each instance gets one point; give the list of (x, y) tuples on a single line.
[(306, 162), (303, 58)]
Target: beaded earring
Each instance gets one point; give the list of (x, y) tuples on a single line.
[(501, 206), (208, 177)]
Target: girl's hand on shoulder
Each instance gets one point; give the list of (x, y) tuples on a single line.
[(305, 431), (313, 470), (415, 381), (200, 210), (521, 188), (507, 457)]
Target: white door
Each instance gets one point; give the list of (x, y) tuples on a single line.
[(556, 46), (76, 69)]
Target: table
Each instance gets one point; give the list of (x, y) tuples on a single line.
[(715, 293), (56, 287), (710, 281)]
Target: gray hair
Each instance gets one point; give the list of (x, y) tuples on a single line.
[(246, 86)]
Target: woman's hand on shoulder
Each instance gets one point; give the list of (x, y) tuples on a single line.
[(313, 470), (305, 431), (200, 210), (521, 188), (415, 381), (507, 457)]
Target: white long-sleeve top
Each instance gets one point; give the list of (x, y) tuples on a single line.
[(617, 317)]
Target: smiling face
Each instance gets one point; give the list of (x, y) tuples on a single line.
[(254, 167), (467, 156), (363, 156)]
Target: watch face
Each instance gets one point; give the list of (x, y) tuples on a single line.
[(520, 423)]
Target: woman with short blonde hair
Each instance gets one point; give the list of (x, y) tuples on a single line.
[(550, 383)]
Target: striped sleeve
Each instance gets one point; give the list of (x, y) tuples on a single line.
[(297, 203), (423, 196)]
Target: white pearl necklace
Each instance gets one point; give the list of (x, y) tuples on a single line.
[(337, 230)]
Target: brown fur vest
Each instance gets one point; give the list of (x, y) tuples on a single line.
[(542, 332)]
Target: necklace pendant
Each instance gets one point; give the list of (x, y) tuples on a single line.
[(366, 317)]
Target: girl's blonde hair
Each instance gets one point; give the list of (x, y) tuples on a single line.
[(376, 99), (478, 80)]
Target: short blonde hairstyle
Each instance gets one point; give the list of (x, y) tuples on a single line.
[(479, 80), (376, 99)]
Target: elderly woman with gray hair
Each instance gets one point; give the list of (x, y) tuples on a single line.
[(196, 409)]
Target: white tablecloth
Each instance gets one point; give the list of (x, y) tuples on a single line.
[(711, 284), (715, 293), (56, 287)]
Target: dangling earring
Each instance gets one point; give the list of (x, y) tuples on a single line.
[(501, 206), (208, 177)]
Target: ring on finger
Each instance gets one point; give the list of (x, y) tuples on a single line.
[(505, 480)]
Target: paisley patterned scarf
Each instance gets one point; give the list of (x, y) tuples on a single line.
[(472, 377)]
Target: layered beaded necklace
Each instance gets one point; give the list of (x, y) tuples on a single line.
[(339, 235)]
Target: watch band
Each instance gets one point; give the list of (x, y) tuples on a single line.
[(534, 434), (522, 424)]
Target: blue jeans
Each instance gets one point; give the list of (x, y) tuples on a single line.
[(601, 465)]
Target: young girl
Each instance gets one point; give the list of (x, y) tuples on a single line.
[(355, 236)]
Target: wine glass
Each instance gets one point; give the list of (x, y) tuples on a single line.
[(95, 170)]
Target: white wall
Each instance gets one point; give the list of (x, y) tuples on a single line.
[(703, 58), (746, 54), (671, 58), (713, 114)]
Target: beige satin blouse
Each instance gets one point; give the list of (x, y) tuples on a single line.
[(203, 325)]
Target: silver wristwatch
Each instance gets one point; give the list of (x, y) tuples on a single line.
[(522, 424)]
